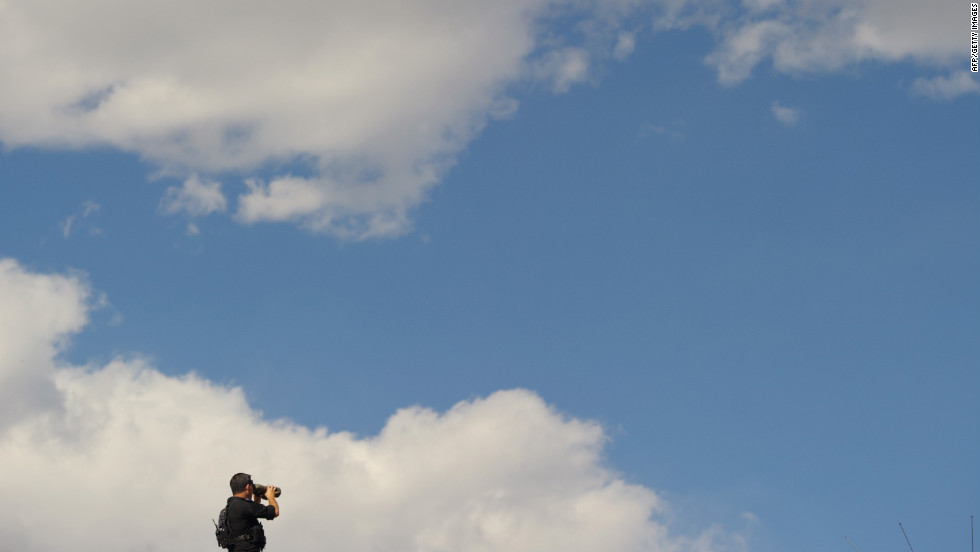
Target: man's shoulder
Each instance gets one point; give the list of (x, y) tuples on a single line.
[(237, 502)]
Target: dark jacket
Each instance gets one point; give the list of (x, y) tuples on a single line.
[(243, 515)]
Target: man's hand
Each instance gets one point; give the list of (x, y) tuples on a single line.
[(270, 495)]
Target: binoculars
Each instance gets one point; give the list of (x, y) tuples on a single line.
[(260, 490)]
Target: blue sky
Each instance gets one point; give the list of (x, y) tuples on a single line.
[(754, 264)]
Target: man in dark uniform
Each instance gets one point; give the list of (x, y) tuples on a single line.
[(243, 514)]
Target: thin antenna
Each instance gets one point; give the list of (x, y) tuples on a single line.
[(906, 536), (852, 544), (971, 533)]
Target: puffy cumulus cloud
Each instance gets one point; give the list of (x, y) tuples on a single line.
[(37, 314), (197, 197), (820, 35), (370, 101), (133, 459), (366, 96)]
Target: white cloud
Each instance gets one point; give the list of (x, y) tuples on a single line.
[(87, 209), (673, 130), (946, 88), (625, 44), (90, 208), (750, 518), (822, 35), (373, 94), (761, 5), (127, 458), (563, 68), (900, 29), (66, 226), (37, 313), (197, 197), (282, 199), (743, 49), (788, 116), (372, 100)]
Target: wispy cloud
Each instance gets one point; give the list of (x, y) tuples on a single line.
[(625, 45), (814, 36), (673, 130), (66, 226), (945, 88), (788, 116), (70, 224), (196, 197), (563, 68)]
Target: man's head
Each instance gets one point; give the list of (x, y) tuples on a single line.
[(240, 482)]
